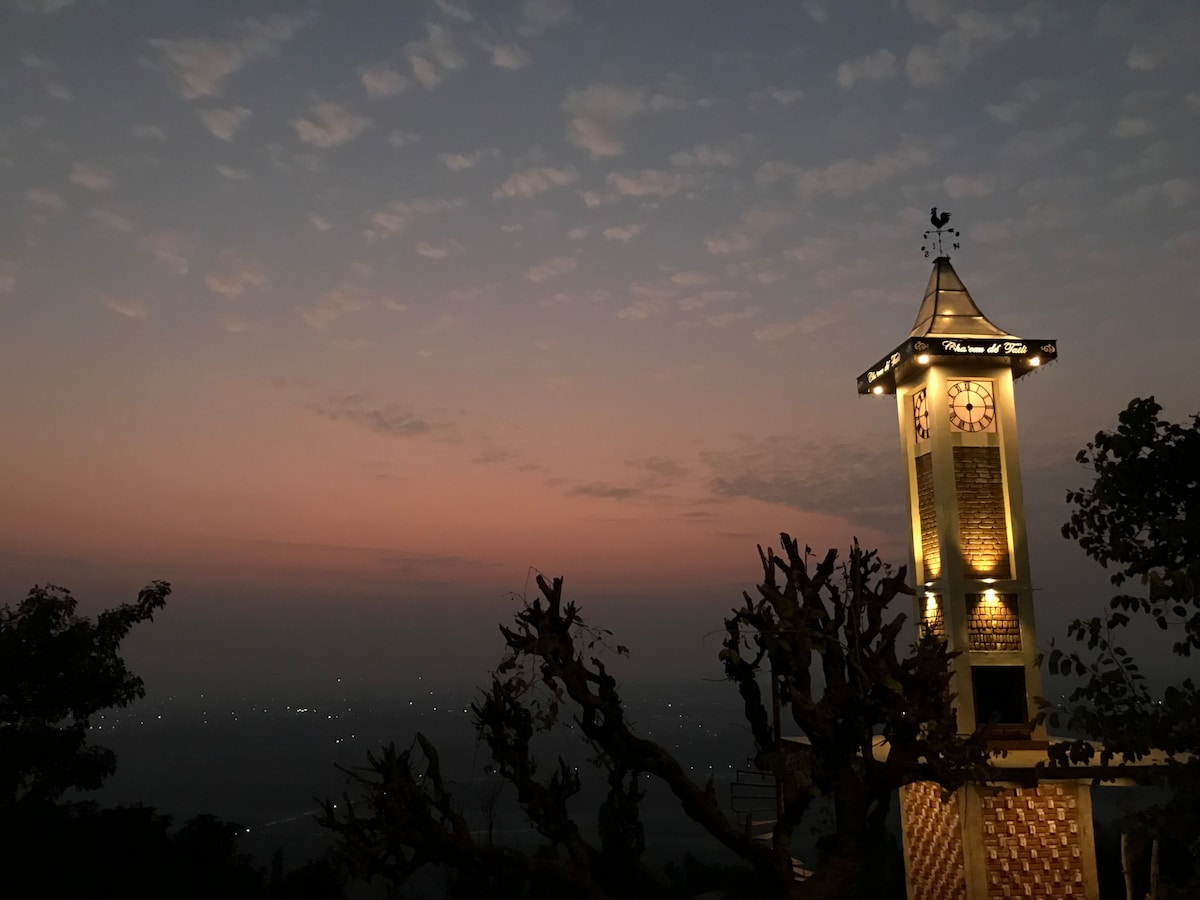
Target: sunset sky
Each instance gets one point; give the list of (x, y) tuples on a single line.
[(342, 316)]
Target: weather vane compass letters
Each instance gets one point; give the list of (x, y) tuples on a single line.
[(940, 232)]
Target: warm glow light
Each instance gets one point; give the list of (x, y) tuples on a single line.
[(878, 389), (990, 596), (1035, 360), (931, 605), (924, 358)]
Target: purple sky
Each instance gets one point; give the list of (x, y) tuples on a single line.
[(341, 316)]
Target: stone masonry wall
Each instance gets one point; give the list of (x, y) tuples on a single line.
[(933, 843), (982, 523), (930, 551), (993, 624), (1031, 842), (931, 616)]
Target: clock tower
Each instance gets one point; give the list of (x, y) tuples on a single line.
[(952, 377)]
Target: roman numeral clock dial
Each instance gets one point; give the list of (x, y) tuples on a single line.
[(971, 405), (921, 414)]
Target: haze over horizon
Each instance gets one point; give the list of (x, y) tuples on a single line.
[(341, 317)]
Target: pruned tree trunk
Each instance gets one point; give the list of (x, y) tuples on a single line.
[(1126, 869)]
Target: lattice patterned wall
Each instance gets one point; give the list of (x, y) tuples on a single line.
[(982, 523), (1031, 842), (993, 622), (933, 849), (930, 551)]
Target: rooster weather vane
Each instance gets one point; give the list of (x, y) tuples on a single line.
[(933, 237)]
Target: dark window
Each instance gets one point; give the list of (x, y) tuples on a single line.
[(1000, 695)]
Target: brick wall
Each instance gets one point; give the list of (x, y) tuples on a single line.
[(930, 551), (1031, 842), (993, 622), (933, 847), (982, 523)]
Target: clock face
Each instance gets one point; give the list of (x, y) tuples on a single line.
[(971, 405), (921, 414)]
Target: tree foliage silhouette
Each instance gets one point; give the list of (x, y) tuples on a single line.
[(1139, 517), (57, 670), (868, 718)]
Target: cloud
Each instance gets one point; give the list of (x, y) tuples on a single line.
[(596, 113), (1173, 193), (130, 308), (169, 249), (44, 7), (775, 96), (200, 65), (851, 176), (534, 181), (329, 125), (381, 80), (402, 138), (91, 177), (144, 131), (8, 276), (811, 250), (507, 56), (539, 16), (551, 268), (333, 305), (606, 491), (224, 123), (234, 276), (459, 162), (44, 198), (1132, 127), (877, 66), (968, 37), (232, 173), (838, 479), (578, 233), (455, 11), (439, 249), (753, 225), (433, 58), (318, 222), (622, 233), (1024, 96), (703, 156), (649, 183), (110, 220), (56, 91), (388, 419), (806, 324), (958, 186), (397, 216), (443, 323)]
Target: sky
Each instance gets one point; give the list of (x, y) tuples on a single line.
[(344, 317)]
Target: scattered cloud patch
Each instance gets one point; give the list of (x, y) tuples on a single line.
[(551, 268), (959, 186), (434, 57), (877, 66), (329, 125), (649, 183), (334, 304), (129, 307), (232, 173), (44, 198), (234, 276), (381, 80), (753, 225), (200, 66), (318, 222), (508, 56), (852, 176), (622, 233), (388, 419), (224, 123), (597, 113), (968, 36), (606, 491), (110, 220), (397, 216), (539, 16), (439, 249), (704, 156), (169, 249), (534, 181), (91, 177)]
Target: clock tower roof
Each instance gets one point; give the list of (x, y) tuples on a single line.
[(951, 327), (948, 310)]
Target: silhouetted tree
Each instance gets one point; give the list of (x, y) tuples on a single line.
[(57, 670), (819, 637), (1141, 518)]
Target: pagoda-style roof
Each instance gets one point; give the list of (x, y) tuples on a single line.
[(948, 309), (950, 326)]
